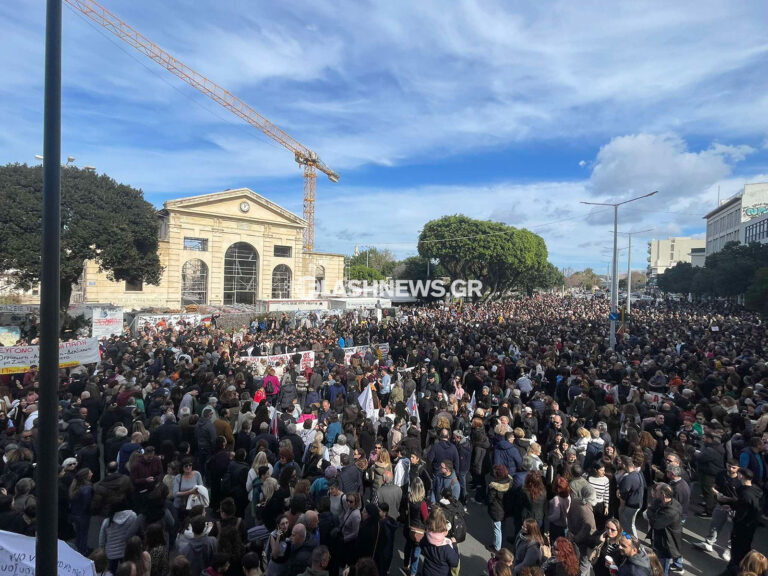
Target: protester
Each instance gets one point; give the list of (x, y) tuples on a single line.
[(521, 395)]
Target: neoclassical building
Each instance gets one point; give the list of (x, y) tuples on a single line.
[(232, 247)]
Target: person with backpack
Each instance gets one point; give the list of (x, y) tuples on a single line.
[(271, 386), (439, 551), (454, 513)]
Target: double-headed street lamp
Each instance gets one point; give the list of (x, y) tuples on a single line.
[(614, 274)]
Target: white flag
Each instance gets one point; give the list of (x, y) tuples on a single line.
[(472, 405), (412, 407), (366, 403)]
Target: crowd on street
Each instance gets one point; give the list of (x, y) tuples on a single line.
[(186, 452)]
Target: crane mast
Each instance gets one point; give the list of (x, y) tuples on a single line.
[(305, 157)]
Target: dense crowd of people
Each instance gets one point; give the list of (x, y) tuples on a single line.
[(184, 452)]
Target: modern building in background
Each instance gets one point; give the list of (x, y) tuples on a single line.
[(664, 254), (741, 218), (698, 257), (723, 224), (756, 230)]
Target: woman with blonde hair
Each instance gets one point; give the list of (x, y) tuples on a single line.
[(380, 467), (754, 562), (415, 527), (274, 505), (534, 453), (138, 426), (583, 437), (440, 553)]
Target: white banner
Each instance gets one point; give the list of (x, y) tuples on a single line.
[(107, 322), (307, 359), (17, 556), (164, 321), (20, 308), (16, 359)]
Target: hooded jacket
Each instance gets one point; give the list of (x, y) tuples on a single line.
[(665, 522), (505, 453), (199, 551), (114, 533), (441, 451), (497, 493), (637, 565)]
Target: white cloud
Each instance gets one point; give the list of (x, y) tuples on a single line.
[(637, 164)]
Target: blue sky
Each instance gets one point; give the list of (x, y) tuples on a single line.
[(512, 111)]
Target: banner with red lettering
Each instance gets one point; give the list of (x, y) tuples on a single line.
[(15, 359)]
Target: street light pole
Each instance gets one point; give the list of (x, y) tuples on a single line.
[(629, 266), (615, 279), (46, 545)]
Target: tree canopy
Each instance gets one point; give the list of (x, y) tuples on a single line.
[(101, 220), (504, 258), (383, 261), (586, 279), (358, 272), (735, 270)]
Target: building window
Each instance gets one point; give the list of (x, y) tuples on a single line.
[(194, 283), (281, 282), (241, 274), (134, 285), (282, 251), (197, 244)]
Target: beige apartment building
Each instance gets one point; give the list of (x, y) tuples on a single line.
[(232, 247), (664, 254)]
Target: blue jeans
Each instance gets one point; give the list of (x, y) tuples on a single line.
[(665, 564), (497, 535), (463, 484), (412, 553)]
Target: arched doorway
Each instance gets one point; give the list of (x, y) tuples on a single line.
[(281, 282), (241, 274), (319, 279), (194, 282)]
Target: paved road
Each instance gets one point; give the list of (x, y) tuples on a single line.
[(697, 562)]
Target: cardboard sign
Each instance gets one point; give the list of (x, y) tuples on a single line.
[(106, 322)]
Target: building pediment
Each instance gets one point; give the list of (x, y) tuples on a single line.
[(240, 204)]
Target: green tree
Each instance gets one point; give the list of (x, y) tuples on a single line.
[(587, 279), (546, 277), (678, 279), (498, 255), (756, 297), (415, 268), (381, 260), (362, 273), (101, 220)]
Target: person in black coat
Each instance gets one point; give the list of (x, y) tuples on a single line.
[(478, 465), (497, 498), (370, 537), (665, 520), (168, 430), (746, 519)]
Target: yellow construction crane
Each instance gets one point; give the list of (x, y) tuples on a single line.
[(303, 155)]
